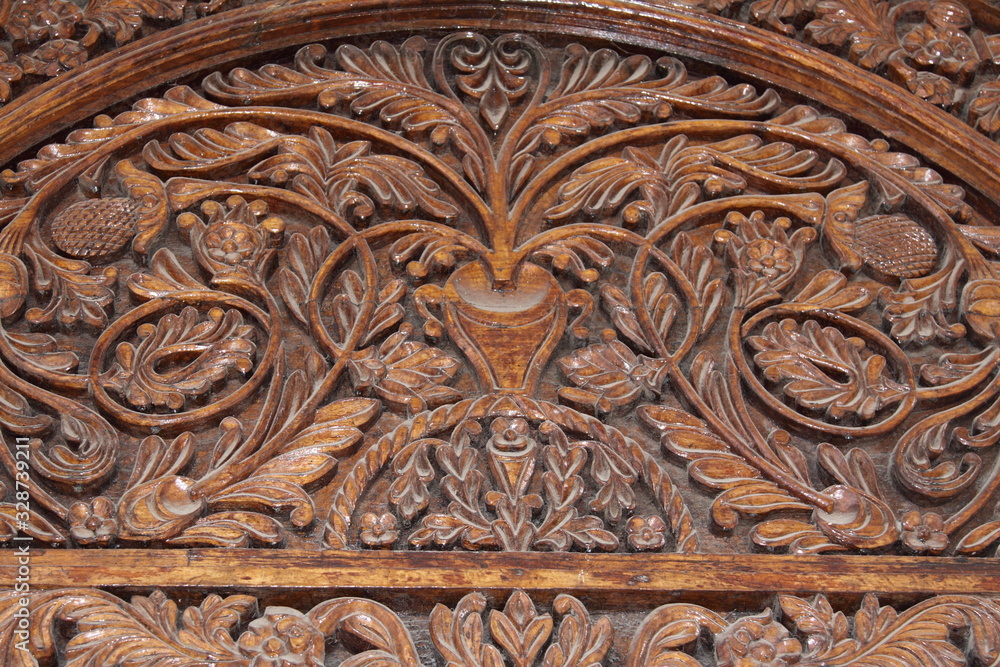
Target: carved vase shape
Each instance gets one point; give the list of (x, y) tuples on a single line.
[(507, 335)]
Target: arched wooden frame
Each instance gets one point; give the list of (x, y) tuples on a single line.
[(705, 606)]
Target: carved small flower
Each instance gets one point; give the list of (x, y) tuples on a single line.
[(924, 534), (231, 243), (757, 641), (378, 531), (94, 522), (764, 256), (284, 637), (767, 258), (646, 533), (33, 21), (238, 238)]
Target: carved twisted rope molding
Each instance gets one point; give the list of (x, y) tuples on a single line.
[(490, 289)]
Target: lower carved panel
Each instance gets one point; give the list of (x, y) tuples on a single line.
[(87, 626)]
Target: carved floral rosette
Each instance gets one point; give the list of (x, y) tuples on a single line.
[(477, 291)]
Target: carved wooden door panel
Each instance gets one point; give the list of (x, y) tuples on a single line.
[(539, 333)]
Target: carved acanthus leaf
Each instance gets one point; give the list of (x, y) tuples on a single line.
[(684, 173), (181, 358), (151, 630), (305, 255), (803, 357), (32, 174), (609, 375), (918, 310), (863, 25), (407, 374), (75, 294)]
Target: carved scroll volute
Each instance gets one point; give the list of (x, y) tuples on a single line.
[(507, 334)]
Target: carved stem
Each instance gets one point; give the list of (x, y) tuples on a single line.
[(794, 487)]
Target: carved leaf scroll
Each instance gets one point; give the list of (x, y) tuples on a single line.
[(150, 628), (181, 357), (804, 357), (684, 173), (75, 294), (347, 177), (950, 630)]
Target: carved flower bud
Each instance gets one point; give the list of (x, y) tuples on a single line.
[(946, 14), (981, 306), (13, 285), (509, 433)]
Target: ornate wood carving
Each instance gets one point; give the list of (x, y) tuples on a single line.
[(482, 287), (235, 630), (482, 253), (935, 50), (43, 39)]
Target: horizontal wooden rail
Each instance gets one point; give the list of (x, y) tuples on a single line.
[(574, 573)]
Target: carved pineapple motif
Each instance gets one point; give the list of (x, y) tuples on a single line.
[(95, 230), (894, 246)]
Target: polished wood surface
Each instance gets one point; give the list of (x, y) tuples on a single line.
[(540, 333)]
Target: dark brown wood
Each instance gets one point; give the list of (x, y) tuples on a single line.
[(638, 576), (540, 333)]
